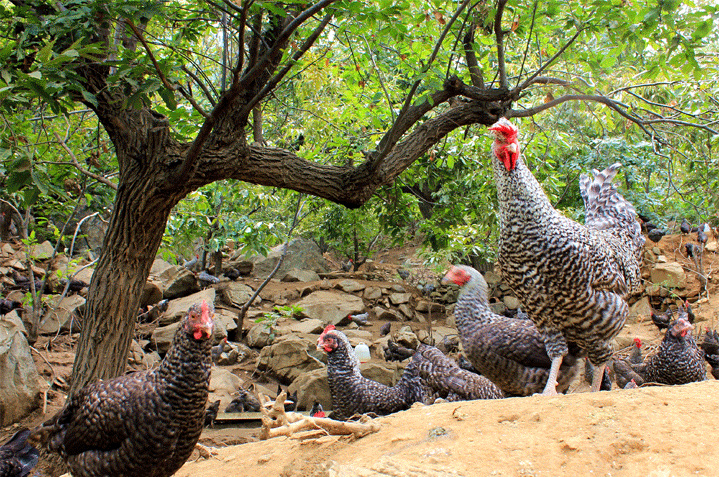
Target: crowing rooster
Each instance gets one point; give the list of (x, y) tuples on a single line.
[(572, 279), (144, 423)]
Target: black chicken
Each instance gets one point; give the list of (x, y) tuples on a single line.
[(244, 402), (693, 250), (624, 374), (690, 313), (206, 279), (589, 376), (233, 274), (713, 360), (74, 285), (211, 413), (17, 457), (385, 329), (347, 266), (6, 306), (685, 227), (508, 351), (635, 357), (662, 320), (702, 236), (710, 346), (443, 378), (655, 235), (403, 274), (678, 360), (395, 352), (317, 410), (351, 392), (145, 423)]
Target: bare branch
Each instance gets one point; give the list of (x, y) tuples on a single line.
[(548, 62), (159, 71), (77, 165), (499, 34), (199, 83)]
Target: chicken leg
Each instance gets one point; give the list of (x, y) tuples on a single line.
[(597, 377), (550, 389)]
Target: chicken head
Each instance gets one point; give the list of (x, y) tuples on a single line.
[(200, 320), (506, 146)]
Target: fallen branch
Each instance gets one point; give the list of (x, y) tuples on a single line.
[(276, 422)]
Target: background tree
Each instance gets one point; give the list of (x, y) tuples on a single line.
[(151, 71)]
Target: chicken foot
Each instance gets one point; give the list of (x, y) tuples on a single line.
[(550, 389), (598, 376)]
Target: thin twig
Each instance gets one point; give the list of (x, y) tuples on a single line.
[(77, 165)]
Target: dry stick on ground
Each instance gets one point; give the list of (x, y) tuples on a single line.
[(243, 311), (54, 375), (277, 422)]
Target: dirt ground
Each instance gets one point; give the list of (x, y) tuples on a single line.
[(655, 431)]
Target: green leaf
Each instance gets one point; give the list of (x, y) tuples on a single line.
[(89, 97)]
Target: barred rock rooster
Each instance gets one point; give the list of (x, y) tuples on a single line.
[(443, 378), (572, 279), (145, 423), (508, 351), (351, 392), (17, 457), (678, 360), (710, 346)]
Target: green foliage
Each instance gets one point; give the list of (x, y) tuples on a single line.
[(269, 320)]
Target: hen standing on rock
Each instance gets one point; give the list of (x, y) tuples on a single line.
[(351, 392), (508, 351), (145, 423), (571, 279)]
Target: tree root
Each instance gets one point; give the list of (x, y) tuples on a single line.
[(277, 422)]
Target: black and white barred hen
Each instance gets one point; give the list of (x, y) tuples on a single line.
[(351, 392), (678, 359), (145, 423), (443, 378), (508, 351), (572, 279)]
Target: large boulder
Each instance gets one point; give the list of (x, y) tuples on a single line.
[(296, 275), (330, 306), (18, 375), (62, 315), (302, 254), (238, 293), (177, 282), (177, 309), (312, 386), (289, 356), (669, 274), (641, 309)]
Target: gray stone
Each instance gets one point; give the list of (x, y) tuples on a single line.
[(159, 266), (511, 302), (151, 292), (407, 338), (373, 293), (383, 314), (640, 310), (238, 294), (312, 386), (296, 275), (492, 278), (224, 321), (177, 309), (42, 251), (405, 309), (307, 326), (260, 335), (135, 356), (399, 298), (222, 379), (669, 275), (331, 307), (61, 315), (162, 336), (498, 307), (301, 254), (151, 360), (289, 357), (398, 288), (349, 286), (425, 306), (18, 375), (358, 336), (178, 282)]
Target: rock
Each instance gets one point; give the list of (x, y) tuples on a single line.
[(407, 338), (159, 266), (162, 336), (18, 375), (245, 267), (498, 307), (289, 357), (223, 380), (384, 314), (301, 254), (312, 386), (511, 302), (639, 310), (405, 309), (331, 307), (711, 247), (178, 281), (177, 309), (151, 292), (151, 360), (358, 336), (260, 335), (372, 293), (399, 298), (382, 372), (224, 321), (61, 315), (296, 275), (425, 306), (280, 296), (349, 286), (307, 326), (42, 251), (669, 275), (492, 278), (135, 356), (398, 288)]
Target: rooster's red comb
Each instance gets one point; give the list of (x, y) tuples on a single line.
[(638, 342), (503, 126), (328, 329)]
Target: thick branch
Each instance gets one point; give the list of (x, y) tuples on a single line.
[(475, 72), (499, 34)]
